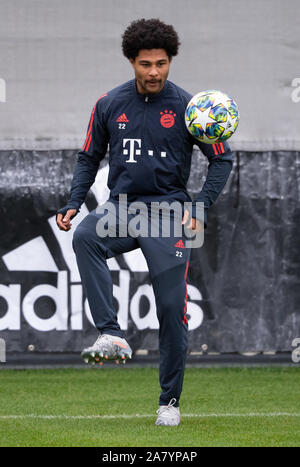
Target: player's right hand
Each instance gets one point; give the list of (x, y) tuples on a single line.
[(63, 221)]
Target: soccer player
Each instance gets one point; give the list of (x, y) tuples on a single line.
[(150, 149)]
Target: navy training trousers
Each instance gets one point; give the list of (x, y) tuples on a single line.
[(167, 259)]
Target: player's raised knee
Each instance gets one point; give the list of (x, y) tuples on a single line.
[(82, 237)]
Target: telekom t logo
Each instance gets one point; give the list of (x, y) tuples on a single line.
[(132, 151), (135, 149)]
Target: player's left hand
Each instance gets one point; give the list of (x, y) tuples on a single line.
[(194, 224)]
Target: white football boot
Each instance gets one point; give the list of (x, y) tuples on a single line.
[(107, 347), (168, 415)]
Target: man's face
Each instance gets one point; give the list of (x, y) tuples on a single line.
[(151, 68)]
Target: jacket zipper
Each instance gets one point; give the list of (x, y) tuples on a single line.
[(145, 113)]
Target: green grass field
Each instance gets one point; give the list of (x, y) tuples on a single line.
[(116, 407)]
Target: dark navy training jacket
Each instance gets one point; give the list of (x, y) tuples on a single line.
[(150, 149)]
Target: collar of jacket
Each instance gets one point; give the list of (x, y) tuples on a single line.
[(150, 97)]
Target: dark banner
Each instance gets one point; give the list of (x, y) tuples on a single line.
[(243, 284)]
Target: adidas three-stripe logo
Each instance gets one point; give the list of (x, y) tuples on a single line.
[(179, 244), (218, 148), (122, 119)]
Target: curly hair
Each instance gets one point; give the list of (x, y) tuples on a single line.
[(149, 34)]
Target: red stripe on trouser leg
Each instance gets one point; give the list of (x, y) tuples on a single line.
[(222, 148), (186, 269), (185, 321)]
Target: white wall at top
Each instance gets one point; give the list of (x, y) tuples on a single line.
[(57, 57)]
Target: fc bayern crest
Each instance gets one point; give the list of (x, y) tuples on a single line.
[(167, 118)]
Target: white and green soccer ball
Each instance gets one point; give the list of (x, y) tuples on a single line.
[(212, 116)]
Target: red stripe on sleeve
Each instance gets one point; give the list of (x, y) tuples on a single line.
[(88, 144), (89, 129), (222, 148), (215, 149), (87, 139)]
